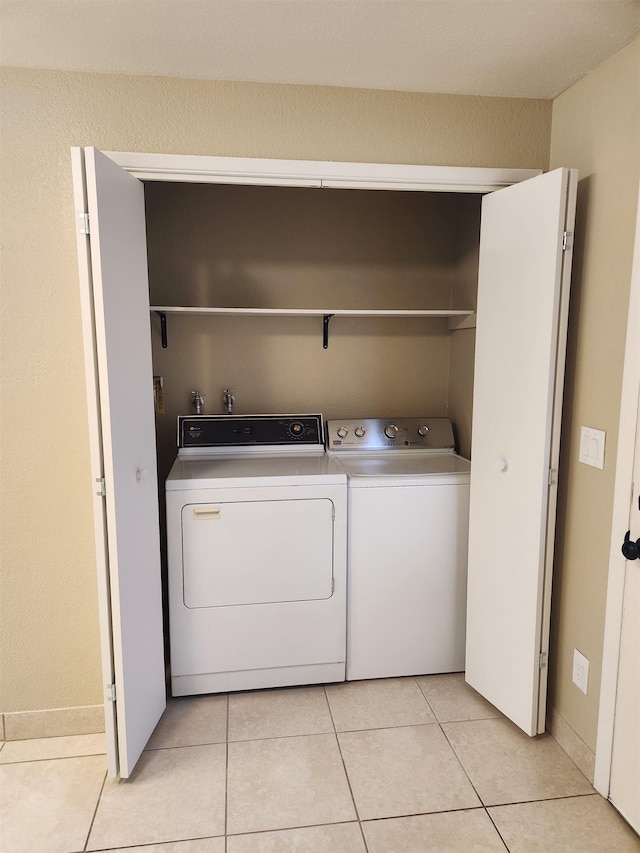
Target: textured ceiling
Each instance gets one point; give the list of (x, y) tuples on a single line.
[(507, 48)]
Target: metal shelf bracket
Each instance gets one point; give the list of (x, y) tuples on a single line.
[(325, 330), (163, 328)]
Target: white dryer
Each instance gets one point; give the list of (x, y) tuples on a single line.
[(256, 544), (407, 553)]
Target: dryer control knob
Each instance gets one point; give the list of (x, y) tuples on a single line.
[(391, 431), (360, 431), (342, 432), (423, 430)]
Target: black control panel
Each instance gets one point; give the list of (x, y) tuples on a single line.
[(249, 430)]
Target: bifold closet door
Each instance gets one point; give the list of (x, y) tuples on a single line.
[(130, 595), (523, 287)]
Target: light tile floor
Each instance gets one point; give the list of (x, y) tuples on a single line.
[(406, 765)]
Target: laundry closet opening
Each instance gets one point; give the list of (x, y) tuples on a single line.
[(403, 269), (216, 246)]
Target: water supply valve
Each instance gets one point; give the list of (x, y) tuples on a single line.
[(228, 399), (197, 401)]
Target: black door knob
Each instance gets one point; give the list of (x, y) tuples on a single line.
[(630, 550)]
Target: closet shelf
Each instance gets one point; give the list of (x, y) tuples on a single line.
[(458, 318)]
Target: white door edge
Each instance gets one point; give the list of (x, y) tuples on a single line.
[(95, 455), (622, 491), (554, 457)]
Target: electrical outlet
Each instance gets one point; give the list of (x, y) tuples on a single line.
[(580, 671)]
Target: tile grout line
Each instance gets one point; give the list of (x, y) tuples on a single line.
[(593, 793), (95, 811), (464, 770), (53, 758), (451, 747), (252, 832), (426, 814), (312, 734), (459, 760), (486, 806), (226, 777), (486, 811), (346, 774)]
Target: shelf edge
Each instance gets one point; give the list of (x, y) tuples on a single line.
[(461, 314)]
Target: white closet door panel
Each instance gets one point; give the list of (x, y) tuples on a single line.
[(521, 309), (121, 301), (624, 790), (95, 448)]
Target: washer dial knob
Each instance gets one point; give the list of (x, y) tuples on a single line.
[(342, 432), (423, 430), (360, 431), (391, 431)]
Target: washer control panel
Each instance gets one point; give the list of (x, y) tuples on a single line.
[(390, 433)]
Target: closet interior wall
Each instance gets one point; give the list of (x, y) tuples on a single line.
[(212, 245), (464, 295)]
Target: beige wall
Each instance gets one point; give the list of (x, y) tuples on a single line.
[(49, 629), (595, 128)]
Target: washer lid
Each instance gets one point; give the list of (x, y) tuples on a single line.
[(410, 468)]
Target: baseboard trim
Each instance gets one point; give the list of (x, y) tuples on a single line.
[(573, 745), (53, 722)]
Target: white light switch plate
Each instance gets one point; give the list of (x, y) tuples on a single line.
[(592, 446)]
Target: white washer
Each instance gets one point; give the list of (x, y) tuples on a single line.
[(256, 544), (407, 555)]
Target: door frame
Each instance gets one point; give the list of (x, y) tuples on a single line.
[(227, 170), (316, 173), (629, 414)]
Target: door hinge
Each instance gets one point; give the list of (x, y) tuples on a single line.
[(542, 660), (102, 491), (84, 223), (111, 692), (566, 235), (551, 478)]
